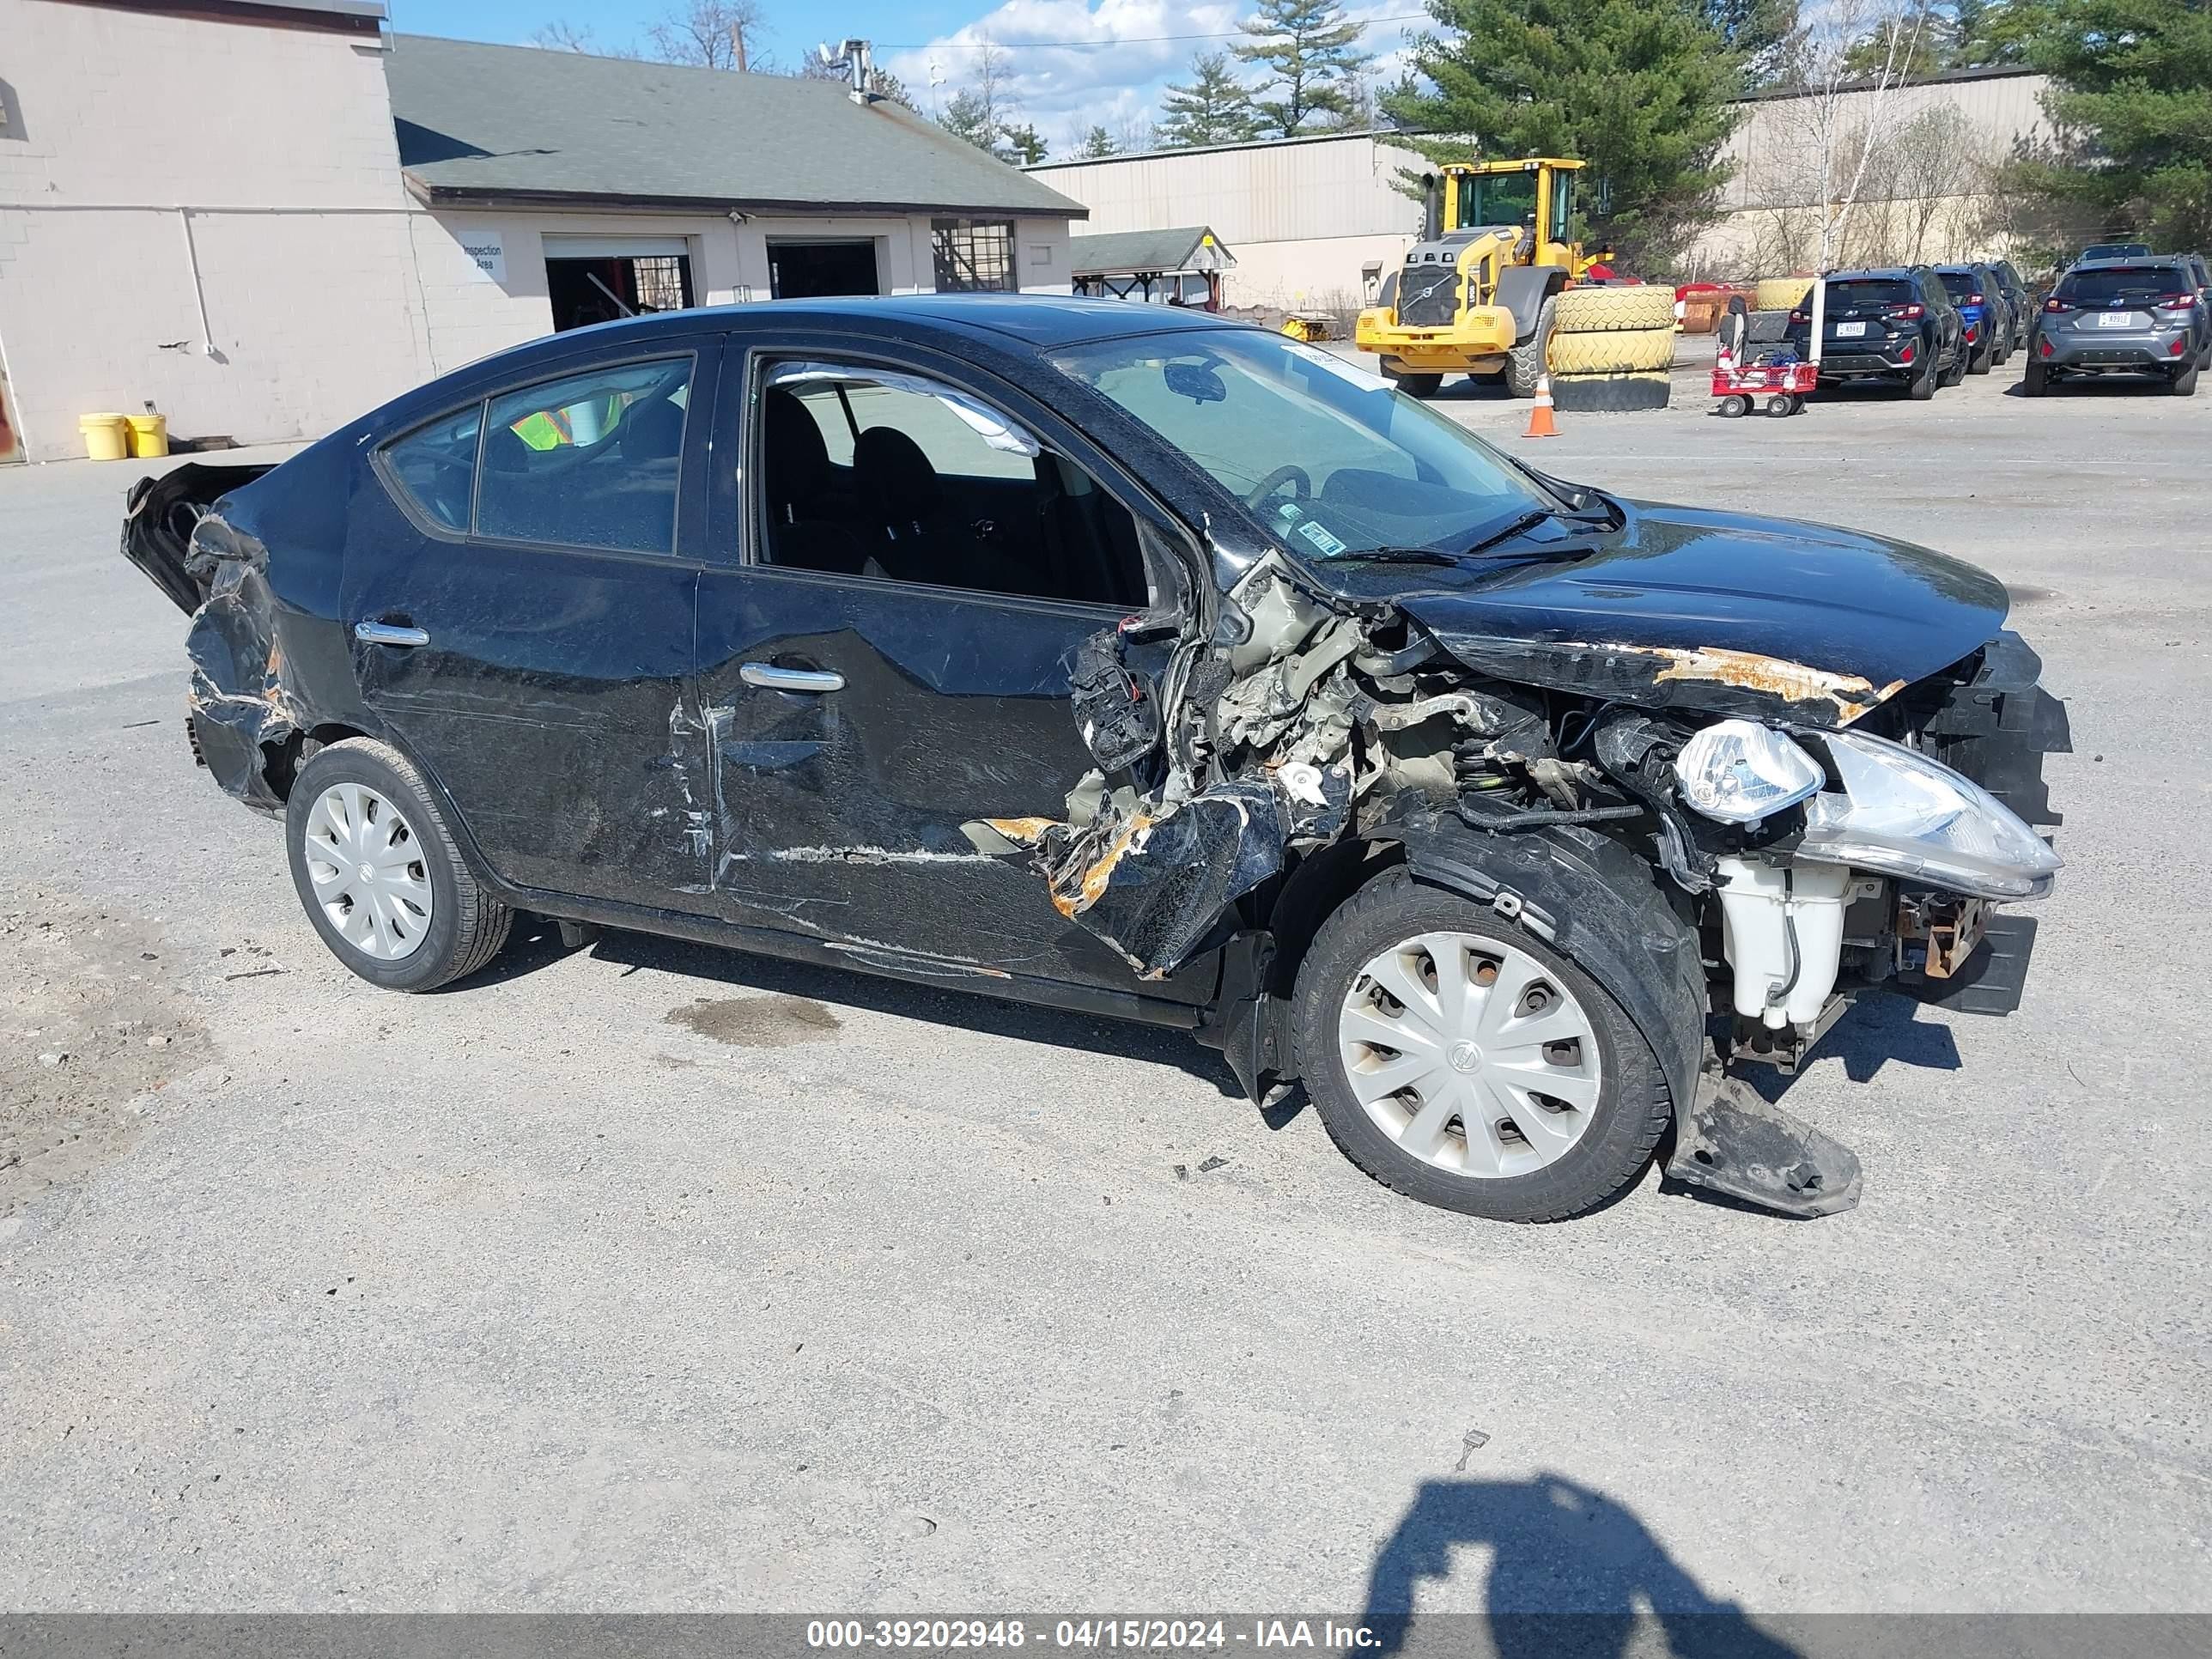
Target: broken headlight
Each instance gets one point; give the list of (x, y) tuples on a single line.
[(1740, 772), (1904, 814)]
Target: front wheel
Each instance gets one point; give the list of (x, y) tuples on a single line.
[(1735, 406), (1418, 385), (1528, 361), (378, 873), (1461, 1061)]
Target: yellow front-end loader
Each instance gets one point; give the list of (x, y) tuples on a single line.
[(1475, 293)]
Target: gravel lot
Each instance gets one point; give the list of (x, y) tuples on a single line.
[(558, 1290)]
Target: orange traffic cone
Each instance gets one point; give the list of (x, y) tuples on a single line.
[(1540, 424)]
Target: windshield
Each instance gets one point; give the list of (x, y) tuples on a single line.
[(2138, 284), (1496, 199), (1334, 460)]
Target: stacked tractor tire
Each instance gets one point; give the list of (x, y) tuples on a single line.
[(1611, 348)]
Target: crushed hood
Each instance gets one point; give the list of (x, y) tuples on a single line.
[(1722, 611)]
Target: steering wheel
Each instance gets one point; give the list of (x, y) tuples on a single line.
[(1295, 475)]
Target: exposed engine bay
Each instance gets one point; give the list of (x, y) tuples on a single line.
[(1803, 826)]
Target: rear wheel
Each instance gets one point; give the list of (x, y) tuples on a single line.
[(1979, 362), (2184, 384), (1735, 406), (378, 873), (1922, 386), (2034, 380), (1781, 405), (1461, 1061)]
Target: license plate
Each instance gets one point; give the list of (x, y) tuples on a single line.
[(1850, 331), (2116, 319)]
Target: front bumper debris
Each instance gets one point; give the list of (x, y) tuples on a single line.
[(1732, 1141)]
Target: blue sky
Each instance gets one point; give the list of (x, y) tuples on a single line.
[(1071, 62)]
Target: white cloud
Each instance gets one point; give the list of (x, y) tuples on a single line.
[(1108, 63)]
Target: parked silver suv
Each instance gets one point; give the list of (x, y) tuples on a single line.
[(2134, 316)]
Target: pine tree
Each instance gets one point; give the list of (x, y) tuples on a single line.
[(966, 115), (1097, 145), (1756, 33), (1026, 142), (1637, 89), (2132, 84), (1215, 108), (1310, 51)]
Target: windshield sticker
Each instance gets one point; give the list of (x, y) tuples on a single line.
[(1336, 366), (1321, 539)]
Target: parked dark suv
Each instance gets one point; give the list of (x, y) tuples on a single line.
[(2022, 302), (1896, 324), (2122, 317), (1985, 314)]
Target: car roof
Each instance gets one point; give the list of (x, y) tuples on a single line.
[(2128, 262), (1888, 273), (1041, 321), (1962, 267)]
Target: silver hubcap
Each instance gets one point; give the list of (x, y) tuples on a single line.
[(1469, 1054), (367, 871)]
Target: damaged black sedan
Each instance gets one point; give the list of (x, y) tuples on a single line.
[(1141, 664)]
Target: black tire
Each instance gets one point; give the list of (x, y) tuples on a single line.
[(1611, 394), (1979, 363), (2183, 385), (1416, 386), (2034, 381), (1922, 386), (467, 926), (1527, 362), (1633, 1105)]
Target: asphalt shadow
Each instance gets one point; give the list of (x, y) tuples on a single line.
[(536, 942), (1573, 1574)]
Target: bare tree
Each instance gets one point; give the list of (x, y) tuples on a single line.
[(1845, 63), (561, 35), (1134, 135), (718, 34), (1934, 162)]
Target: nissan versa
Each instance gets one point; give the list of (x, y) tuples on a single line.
[(1142, 663)]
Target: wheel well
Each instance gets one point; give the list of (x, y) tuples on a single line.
[(1322, 881), (281, 762)]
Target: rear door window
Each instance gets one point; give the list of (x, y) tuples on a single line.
[(435, 466), (587, 460)]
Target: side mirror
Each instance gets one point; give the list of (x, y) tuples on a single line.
[(1196, 382)]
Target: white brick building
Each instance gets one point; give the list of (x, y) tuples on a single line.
[(205, 206)]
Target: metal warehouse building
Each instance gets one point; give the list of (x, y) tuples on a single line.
[(1305, 215), (264, 219)]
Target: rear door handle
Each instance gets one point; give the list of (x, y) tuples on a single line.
[(377, 633), (814, 680)]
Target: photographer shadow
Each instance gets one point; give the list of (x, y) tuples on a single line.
[(1573, 1575)]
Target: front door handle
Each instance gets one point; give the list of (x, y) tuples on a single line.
[(814, 680), (377, 633)]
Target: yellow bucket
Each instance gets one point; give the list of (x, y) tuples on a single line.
[(104, 437), (149, 434)]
